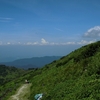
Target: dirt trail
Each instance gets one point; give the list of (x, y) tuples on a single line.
[(22, 93)]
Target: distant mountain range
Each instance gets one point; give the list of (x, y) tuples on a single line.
[(34, 62)]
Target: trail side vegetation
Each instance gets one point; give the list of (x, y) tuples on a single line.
[(75, 76), (11, 79)]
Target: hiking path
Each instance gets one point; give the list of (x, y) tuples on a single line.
[(22, 93)]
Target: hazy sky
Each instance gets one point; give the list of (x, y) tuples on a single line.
[(47, 27)]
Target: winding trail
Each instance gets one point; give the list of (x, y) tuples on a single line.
[(22, 93)]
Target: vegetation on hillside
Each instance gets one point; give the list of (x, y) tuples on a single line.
[(75, 76), (9, 80), (9, 73)]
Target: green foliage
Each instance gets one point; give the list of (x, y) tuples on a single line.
[(10, 80), (9, 73), (73, 77)]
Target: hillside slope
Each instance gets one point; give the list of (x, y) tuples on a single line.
[(73, 77), (10, 79), (9, 73)]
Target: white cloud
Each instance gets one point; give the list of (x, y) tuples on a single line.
[(31, 43), (68, 43), (8, 43), (43, 41), (54, 43), (58, 29), (5, 19), (35, 43), (84, 42), (19, 42), (93, 32), (0, 42)]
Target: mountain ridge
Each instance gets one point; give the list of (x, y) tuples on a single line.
[(34, 62)]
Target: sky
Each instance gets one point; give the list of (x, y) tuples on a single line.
[(31, 28)]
